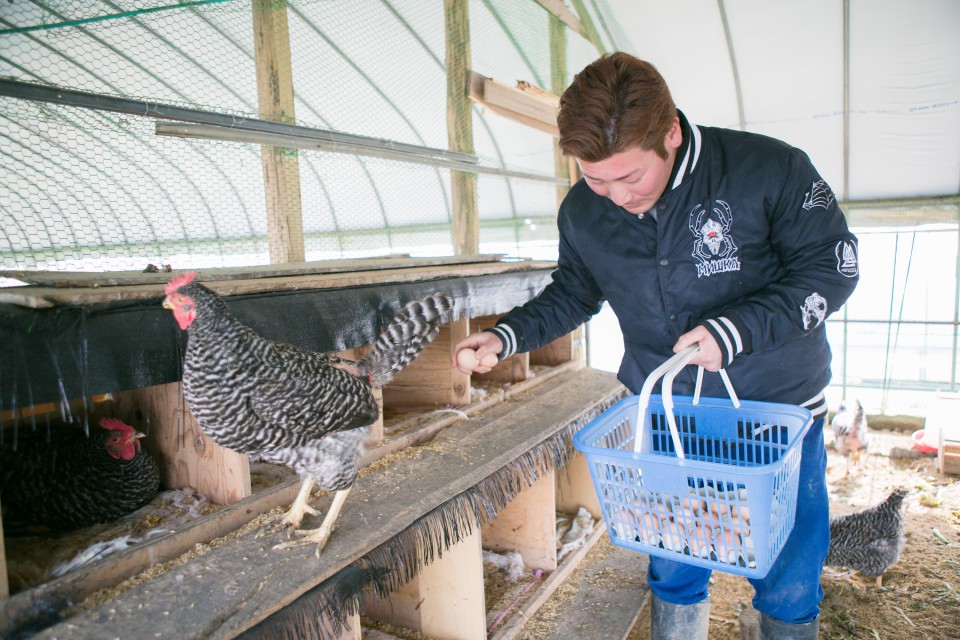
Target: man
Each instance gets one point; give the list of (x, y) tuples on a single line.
[(693, 234)]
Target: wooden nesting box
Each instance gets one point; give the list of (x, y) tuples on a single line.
[(118, 316)]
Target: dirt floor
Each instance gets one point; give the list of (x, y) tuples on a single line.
[(920, 596)]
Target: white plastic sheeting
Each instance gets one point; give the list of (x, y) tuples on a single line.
[(788, 57)]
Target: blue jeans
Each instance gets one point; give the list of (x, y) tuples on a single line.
[(791, 590)]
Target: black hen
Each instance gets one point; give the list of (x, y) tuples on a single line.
[(871, 540), (70, 480), (277, 403)]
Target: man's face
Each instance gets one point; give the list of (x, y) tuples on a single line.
[(633, 179)]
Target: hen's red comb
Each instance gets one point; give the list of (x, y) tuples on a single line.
[(115, 425), (179, 281)]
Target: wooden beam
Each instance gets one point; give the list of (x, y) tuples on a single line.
[(357, 265), (281, 166), (46, 297), (463, 186), (524, 103)]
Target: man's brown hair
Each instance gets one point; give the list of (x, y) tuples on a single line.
[(615, 103)]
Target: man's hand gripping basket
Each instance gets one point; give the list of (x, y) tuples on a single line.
[(708, 481)]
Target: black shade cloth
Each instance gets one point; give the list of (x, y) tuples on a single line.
[(54, 355)]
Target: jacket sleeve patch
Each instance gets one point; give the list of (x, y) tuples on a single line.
[(820, 195), (847, 263), (814, 311)]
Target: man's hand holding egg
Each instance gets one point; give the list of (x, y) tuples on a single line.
[(467, 360), (477, 353)]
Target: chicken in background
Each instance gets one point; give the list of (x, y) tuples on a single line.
[(65, 480), (869, 541), (851, 435), (277, 403)]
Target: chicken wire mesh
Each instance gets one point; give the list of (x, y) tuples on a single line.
[(87, 186)]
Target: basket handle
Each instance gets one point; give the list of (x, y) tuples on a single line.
[(669, 370)]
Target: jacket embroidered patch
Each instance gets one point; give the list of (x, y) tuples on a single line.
[(713, 245)]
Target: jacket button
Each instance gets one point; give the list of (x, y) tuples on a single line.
[(673, 316), (664, 262)]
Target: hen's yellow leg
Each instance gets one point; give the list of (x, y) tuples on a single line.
[(300, 506), (321, 534)]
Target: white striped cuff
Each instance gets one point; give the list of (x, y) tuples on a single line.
[(507, 337)]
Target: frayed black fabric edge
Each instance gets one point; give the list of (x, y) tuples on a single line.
[(323, 612)]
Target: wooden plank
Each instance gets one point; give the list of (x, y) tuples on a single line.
[(281, 165), (253, 581), (116, 278), (528, 525), (463, 186), (526, 105), (444, 601), (45, 297), (187, 457)]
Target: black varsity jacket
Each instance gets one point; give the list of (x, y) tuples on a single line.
[(747, 240)]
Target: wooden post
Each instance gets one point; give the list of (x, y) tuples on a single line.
[(528, 525), (463, 186), (186, 457), (281, 167), (445, 601), (558, 82)]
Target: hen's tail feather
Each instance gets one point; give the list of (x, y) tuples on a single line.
[(412, 329)]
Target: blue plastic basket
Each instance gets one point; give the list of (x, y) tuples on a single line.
[(728, 504)]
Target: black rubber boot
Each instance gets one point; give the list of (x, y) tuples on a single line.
[(773, 629), (679, 621)]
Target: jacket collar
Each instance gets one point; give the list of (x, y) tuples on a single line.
[(687, 155)]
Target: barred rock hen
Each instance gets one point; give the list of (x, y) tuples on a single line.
[(850, 431), (276, 403), (70, 480), (871, 540)]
